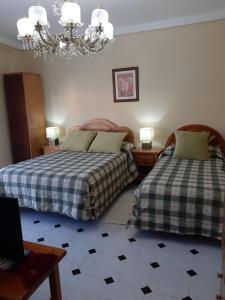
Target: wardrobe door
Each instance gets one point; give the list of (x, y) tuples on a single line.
[(35, 112), (17, 117)]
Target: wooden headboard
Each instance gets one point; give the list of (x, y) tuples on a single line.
[(106, 125), (216, 138)]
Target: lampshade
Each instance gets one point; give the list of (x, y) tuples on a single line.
[(38, 14), (52, 132), (70, 13), (99, 16), (25, 27), (108, 31), (146, 134)]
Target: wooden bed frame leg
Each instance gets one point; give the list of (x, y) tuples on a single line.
[(54, 283)]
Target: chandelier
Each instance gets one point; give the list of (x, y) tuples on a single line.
[(35, 35)]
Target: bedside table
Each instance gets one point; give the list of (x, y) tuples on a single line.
[(49, 149), (145, 160)]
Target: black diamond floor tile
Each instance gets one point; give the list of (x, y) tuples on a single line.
[(194, 251), (122, 257), (146, 290), (104, 234), (92, 251), (191, 273), (109, 280), (131, 240), (80, 230), (187, 298), (57, 225), (40, 240), (36, 221), (76, 272), (161, 245), (65, 245), (155, 265)]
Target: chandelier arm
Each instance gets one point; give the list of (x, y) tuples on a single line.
[(49, 43), (86, 44), (75, 39), (96, 40), (31, 43), (90, 46)]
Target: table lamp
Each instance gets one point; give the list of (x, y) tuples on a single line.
[(52, 134), (146, 136)]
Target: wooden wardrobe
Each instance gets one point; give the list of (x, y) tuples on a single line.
[(26, 117)]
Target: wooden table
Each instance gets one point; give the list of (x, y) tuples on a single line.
[(12, 286)]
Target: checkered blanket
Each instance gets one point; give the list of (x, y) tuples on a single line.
[(182, 196), (79, 185)]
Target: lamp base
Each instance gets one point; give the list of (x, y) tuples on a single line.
[(57, 142), (146, 146), (53, 142)]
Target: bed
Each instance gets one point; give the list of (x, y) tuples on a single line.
[(183, 196), (80, 185)]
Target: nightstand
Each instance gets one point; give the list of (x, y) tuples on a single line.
[(145, 160), (49, 149)]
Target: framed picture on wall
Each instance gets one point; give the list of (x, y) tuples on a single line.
[(125, 84)]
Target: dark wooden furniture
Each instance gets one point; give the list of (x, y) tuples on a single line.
[(145, 160), (12, 286), (25, 108), (49, 149)]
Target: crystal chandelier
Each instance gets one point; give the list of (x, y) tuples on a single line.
[(34, 31)]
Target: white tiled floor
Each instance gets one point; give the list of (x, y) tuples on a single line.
[(169, 281)]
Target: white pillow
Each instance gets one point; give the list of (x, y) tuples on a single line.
[(78, 140), (107, 142)]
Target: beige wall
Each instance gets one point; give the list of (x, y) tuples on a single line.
[(182, 80)]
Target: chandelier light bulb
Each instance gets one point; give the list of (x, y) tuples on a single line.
[(62, 45), (38, 14), (70, 14), (99, 17), (87, 33), (25, 27)]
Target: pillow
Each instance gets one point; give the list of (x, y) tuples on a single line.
[(78, 140), (107, 142), (191, 145), (214, 151)]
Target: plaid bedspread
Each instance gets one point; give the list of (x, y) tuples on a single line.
[(79, 185), (181, 196)]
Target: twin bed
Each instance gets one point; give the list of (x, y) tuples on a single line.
[(179, 196), (183, 196)]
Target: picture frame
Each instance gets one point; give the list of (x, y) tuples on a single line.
[(125, 84)]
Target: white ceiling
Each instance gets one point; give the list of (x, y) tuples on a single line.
[(126, 15)]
